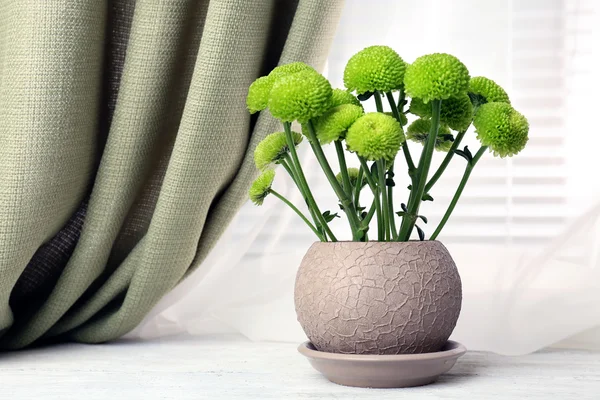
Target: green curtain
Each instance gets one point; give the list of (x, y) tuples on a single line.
[(126, 149)]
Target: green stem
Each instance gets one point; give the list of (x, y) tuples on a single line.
[(409, 161), (358, 187), (289, 204), (390, 199), (376, 200), (459, 191), (408, 222), (337, 188), (343, 167), (344, 172), (384, 200), (289, 167), (290, 171), (378, 104), (445, 162), (401, 98), (287, 126), (369, 216)]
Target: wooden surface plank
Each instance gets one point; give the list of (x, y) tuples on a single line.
[(232, 368)]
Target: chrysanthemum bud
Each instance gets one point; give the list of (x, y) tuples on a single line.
[(456, 112), (488, 89), (339, 97), (500, 127), (419, 130), (353, 175), (300, 96), (403, 119), (273, 148), (436, 76), (375, 68), (289, 69), (334, 124), (261, 186), (375, 136), (258, 94)]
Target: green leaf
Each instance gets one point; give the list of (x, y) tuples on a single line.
[(462, 154), (409, 187), (390, 182), (423, 218), (468, 153), (477, 99), (374, 170), (420, 232), (448, 137), (427, 197), (365, 96), (401, 214), (328, 216), (390, 174)]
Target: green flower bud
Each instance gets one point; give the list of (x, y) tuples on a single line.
[(339, 97), (273, 148), (334, 124), (436, 76), (488, 89), (300, 96), (500, 127), (403, 119), (456, 112), (375, 136), (353, 175), (419, 130), (289, 69), (375, 68), (258, 94), (261, 186)]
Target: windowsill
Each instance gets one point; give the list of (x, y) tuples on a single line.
[(233, 368)]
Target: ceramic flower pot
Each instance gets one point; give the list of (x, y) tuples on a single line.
[(378, 297)]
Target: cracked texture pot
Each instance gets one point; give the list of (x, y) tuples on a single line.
[(378, 297)]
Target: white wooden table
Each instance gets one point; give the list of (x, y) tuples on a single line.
[(232, 368)]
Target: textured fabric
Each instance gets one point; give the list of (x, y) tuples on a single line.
[(125, 148)]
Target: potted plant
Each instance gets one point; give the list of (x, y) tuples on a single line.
[(382, 293)]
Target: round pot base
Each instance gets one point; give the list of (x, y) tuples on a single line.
[(383, 371)]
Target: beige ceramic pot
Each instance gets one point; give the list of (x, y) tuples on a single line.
[(378, 297)]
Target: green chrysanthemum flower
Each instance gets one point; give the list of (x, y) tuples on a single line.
[(258, 94), (339, 97), (289, 69), (353, 175), (500, 127), (261, 186), (456, 112), (488, 89), (403, 119), (436, 76), (375, 136), (418, 132), (300, 96), (335, 123), (273, 148), (375, 68)]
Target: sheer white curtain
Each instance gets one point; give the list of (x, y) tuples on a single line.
[(526, 233)]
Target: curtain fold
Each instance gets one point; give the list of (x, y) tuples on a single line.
[(138, 106)]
